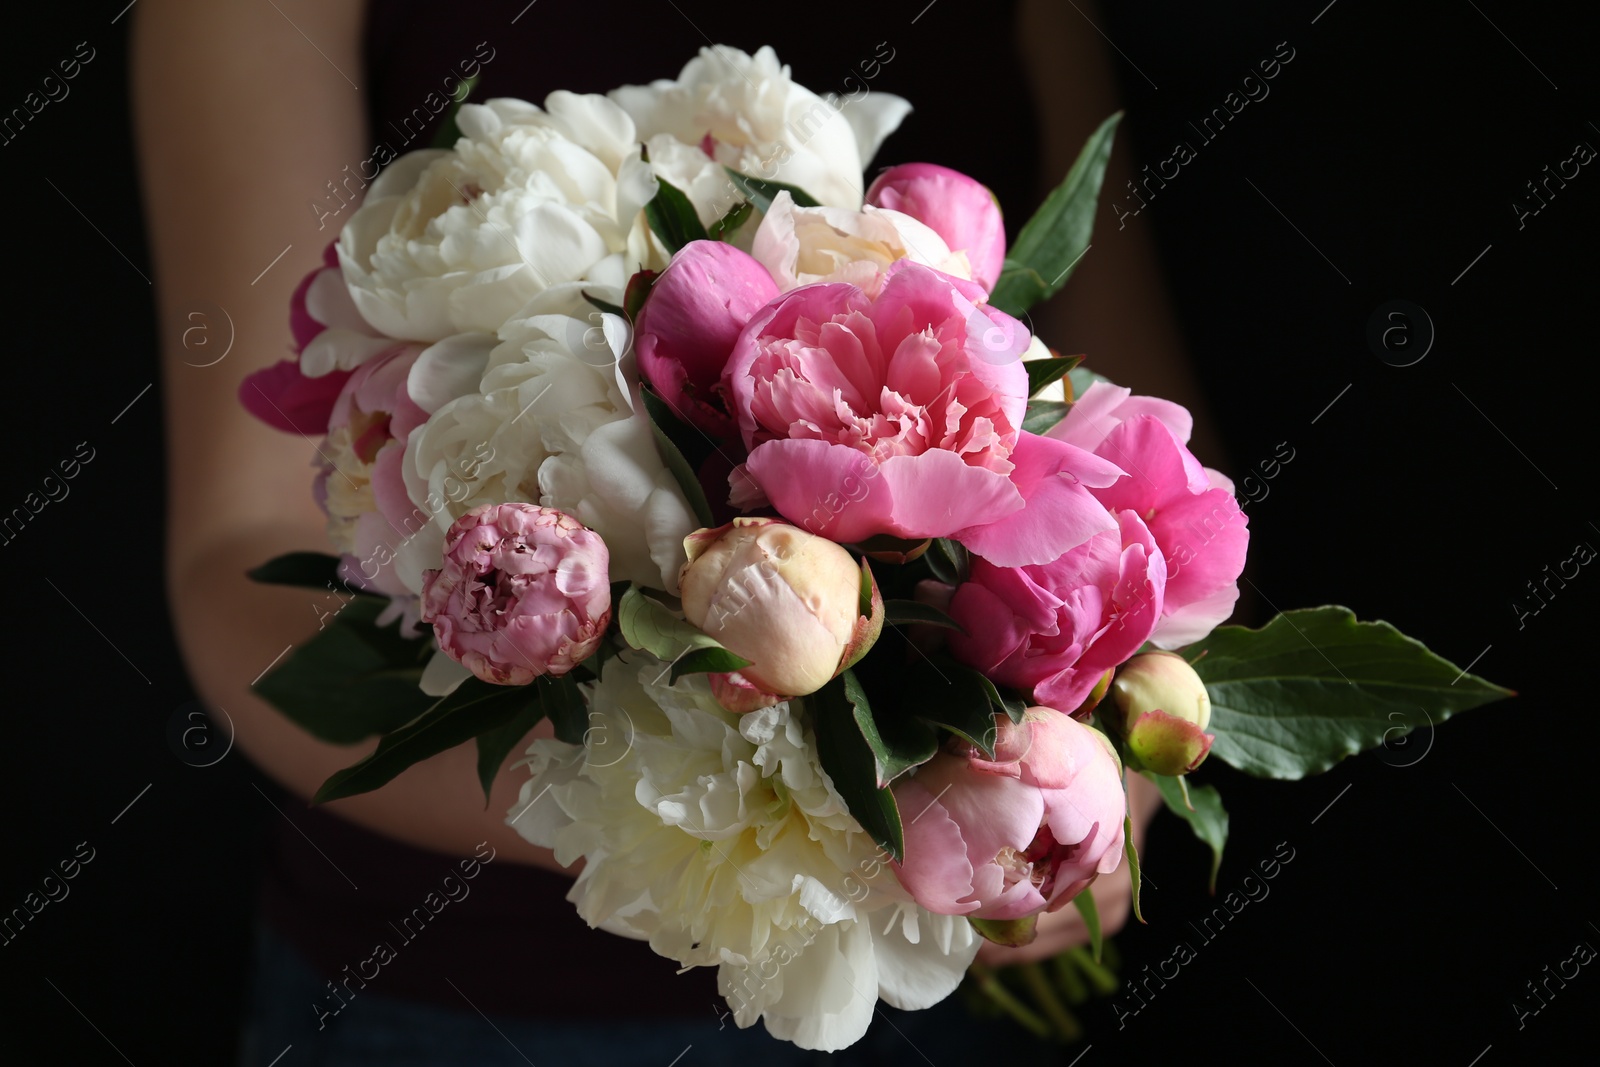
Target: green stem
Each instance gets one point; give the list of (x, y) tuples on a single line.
[(1049, 1001), (1068, 978), (1104, 982), (1008, 1003)]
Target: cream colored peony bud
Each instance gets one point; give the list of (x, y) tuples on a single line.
[(784, 599)]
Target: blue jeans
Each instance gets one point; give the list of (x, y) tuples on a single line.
[(374, 1029)]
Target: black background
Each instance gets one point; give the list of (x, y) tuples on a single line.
[(1447, 872)]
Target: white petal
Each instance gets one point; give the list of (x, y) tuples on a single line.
[(449, 369), (328, 302), (872, 118), (399, 177), (828, 992), (596, 123), (442, 675), (335, 349), (913, 975)]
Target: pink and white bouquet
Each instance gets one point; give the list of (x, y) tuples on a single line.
[(850, 602)]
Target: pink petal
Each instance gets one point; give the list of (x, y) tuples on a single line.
[(838, 492), (287, 400), (936, 870), (1059, 514)]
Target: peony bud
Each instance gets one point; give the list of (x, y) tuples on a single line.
[(1163, 711), (524, 591), (686, 329), (786, 600), (1022, 833), (959, 209)]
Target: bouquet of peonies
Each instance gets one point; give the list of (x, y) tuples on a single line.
[(641, 414)]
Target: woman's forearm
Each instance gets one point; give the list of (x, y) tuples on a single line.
[(231, 628)]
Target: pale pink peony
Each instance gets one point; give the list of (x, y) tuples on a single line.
[(1022, 833), (523, 592), (1191, 511), (959, 209), (1056, 629), (900, 414), (360, 484), (689, 323), (787, 601)]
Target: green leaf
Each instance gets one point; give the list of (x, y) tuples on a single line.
[(1055, 239), (1011, 707), (1314, 686), (898, 744), (353, 679), (955, 698), (672, 217), (864, 593), (496, 744), (762, 192), (1041, 372), (1043, 415), (564, 705), (1133, 863), (649, 625), (962, 700), (1009, 932), (725, 227), (842, 721), (706, 661), (661, 419), (607, 307), (901, 612), (1091, 919), (450, 131), (309, 570), (474, 707), (1201, 807), (948, 560)]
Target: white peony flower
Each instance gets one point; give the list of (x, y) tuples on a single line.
[(731, 108), (452, 241), (552, 423), (720, 840), (802, 245)]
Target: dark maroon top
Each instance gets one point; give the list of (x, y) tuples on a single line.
[(512, 942)]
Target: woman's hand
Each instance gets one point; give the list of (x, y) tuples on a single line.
[(1064, 928)]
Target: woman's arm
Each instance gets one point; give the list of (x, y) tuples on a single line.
[(244, 112)]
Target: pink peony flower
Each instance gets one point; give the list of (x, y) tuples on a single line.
[(787, 601), (959, 209), (524, 591), (1191, 511), (900, 414), (1056, 629), (1022, 833), (689, 323)]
